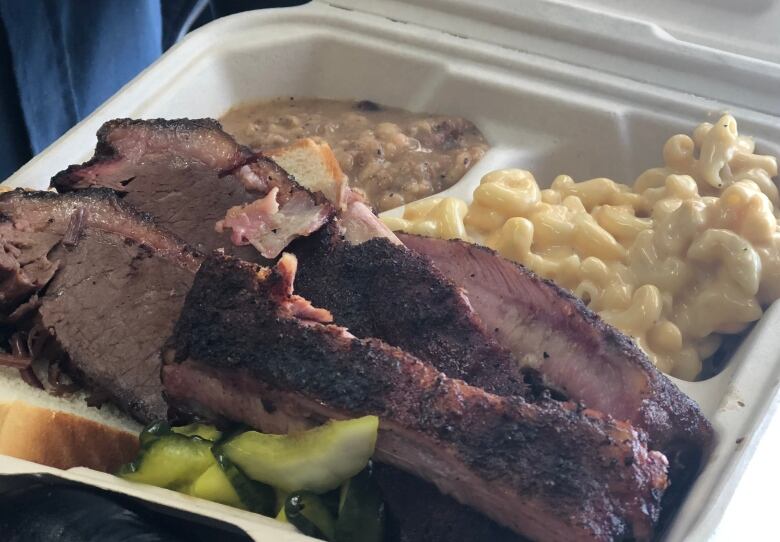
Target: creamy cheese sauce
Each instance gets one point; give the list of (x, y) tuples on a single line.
[(393, 156)]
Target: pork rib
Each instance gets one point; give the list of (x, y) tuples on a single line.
[(548, 470), (189, 173), (379, 289), (574, 350), (117, 286)]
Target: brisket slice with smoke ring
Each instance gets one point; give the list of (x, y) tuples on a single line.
[(188, 174), (117, 288), (547, 470)]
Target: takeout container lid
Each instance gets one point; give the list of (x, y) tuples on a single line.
[(623, 79), (718, 49)]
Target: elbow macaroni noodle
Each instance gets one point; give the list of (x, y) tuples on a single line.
[(688, 253)]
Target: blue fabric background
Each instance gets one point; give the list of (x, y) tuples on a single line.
[(69, 56), (14, 145), (61, 59)]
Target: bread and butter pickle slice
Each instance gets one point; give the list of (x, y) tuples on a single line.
[(317, 460), (171, 460), (158, 429), (214, 485), (254, 496), (202, 430), (182, 458)]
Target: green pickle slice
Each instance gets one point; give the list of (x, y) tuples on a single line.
[(316, 480), (317, 460), (213, 485), (206, 432), (172, 461), (255, 496)]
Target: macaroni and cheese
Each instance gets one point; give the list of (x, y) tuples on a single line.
[(688, 253)]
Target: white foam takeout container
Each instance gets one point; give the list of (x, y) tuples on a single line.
[(585, 88)]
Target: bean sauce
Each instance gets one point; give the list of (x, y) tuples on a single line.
[(393, 156)]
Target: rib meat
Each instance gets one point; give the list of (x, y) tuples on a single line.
[(379, 289), (188, 174), (551, 331), (115, 290), (549, 470)]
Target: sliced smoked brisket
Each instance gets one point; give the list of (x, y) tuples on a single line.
[(110, 286), (188, 174)]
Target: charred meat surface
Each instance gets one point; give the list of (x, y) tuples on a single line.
[(127, 146), (379, 289), (550, 330), (118, 286), (548, 470), (188, 174)]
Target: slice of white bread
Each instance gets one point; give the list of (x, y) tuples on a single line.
[(62, 432), (315, 167)]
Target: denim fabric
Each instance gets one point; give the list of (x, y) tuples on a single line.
[(69, 56), (14, 145), (61, 59)]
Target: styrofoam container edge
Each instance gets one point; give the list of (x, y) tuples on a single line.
[(541, 114)]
